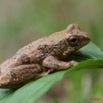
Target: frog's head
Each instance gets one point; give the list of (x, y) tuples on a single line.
[(75, 37)]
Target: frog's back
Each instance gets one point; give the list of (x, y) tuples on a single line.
[(31, 50), (49, 40), (28, 50), (31, 47)]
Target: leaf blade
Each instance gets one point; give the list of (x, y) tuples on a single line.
[(32, 91)]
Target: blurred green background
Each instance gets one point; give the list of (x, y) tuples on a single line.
[(23, 21)]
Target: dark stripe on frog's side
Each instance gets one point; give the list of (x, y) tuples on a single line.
[(54, 49)]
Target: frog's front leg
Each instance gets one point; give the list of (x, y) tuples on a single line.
[(54, 63)]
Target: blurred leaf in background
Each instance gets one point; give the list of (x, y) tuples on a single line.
[(23, 21)]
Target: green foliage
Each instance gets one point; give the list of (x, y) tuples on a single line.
[(23, 21), (32, 91)]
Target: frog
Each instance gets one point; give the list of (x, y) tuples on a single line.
[(42, 57)]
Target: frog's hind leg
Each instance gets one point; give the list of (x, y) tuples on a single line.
[(21, 74)]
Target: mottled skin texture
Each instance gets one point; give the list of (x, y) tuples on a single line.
[(42, 57)]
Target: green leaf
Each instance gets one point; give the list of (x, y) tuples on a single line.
[(92, 58), (92, 51)]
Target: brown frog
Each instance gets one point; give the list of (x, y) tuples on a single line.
[(42, 57)]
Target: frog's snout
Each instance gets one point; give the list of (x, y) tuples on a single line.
[(84, 40)]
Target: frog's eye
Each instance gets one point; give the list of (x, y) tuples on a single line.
[(73, 40)]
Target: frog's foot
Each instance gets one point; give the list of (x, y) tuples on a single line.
[(54, 63), (70, 64)]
